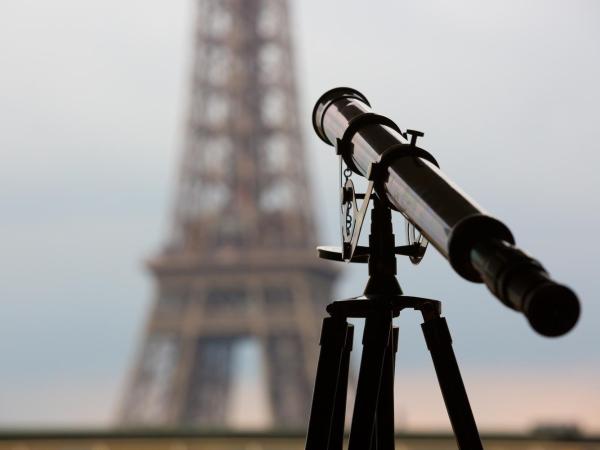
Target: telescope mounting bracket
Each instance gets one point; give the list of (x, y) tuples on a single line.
[(352, 214)]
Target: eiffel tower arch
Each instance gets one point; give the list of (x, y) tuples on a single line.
[(240, 261)]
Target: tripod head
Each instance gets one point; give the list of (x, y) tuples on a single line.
[(406, 178)]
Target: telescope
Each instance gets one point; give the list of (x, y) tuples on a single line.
[(406, 178)]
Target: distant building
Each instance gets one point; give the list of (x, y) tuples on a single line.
[(241, 262)]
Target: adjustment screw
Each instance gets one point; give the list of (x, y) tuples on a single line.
[(414, 135)]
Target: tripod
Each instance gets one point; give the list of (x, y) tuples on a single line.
[(372, 426)]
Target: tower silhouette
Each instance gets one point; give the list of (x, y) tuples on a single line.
[(240, 260)]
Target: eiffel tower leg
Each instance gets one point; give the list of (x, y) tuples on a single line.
[(326, 423), (209, 383), (439, 343), (289, 385)]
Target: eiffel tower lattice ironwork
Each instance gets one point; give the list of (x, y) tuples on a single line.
[(240, 261)]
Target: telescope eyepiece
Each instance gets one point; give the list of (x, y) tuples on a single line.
[(523, 284), (552, 309)]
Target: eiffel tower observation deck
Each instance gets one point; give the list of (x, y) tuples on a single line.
[(240, 262)]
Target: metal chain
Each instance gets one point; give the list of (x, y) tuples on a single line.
[(348, 224)]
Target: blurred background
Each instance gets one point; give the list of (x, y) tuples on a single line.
[(93, 99)]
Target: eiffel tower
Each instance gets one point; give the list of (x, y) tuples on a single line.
[(240, 261)]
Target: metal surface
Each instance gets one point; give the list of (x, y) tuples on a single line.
[(240, 259)]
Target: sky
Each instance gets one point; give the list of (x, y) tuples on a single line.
[(92, 106)]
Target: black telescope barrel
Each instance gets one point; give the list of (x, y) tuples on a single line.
[(479, 247)]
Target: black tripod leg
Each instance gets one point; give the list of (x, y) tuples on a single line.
[(375, 340), (336, 438), (333, 341), (461, 417), (385, 406)]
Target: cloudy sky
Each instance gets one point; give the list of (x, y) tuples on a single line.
[(92, 99)]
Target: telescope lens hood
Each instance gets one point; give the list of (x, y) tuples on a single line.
[(325, 101)]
